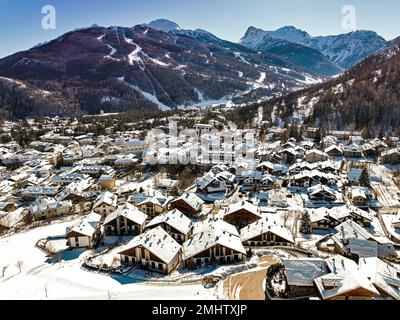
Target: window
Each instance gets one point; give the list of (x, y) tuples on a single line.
[(198, 261)]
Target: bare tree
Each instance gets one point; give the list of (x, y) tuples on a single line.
[(109, 295), (19, 264), (115, 261), (52, 252), (3, 271), (285, 217)]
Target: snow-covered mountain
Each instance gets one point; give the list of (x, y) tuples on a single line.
[(163, 25), (118, 69), (345, 50), (366, 97)]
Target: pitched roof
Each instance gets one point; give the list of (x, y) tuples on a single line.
[(158, 242), (263, 226), (208, 239), (192, 200), (344, 278), (242, 205), (129, 212), (87, 226), (175, 219), (351, 230), (302, 272), (107, 198)]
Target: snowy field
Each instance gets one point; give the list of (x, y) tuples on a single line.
[(40, 279)]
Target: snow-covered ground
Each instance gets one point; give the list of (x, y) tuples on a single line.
[(39, 279), (148, 96)]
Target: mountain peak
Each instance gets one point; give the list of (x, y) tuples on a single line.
[(164, 25), (292, 34)]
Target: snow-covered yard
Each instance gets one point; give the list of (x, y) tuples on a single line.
[(39, 279)]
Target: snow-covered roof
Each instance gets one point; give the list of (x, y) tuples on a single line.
[(175, 219), (319, 214), (158, 200), (87, 226), (242, 205), (107, 198), (344, 278), (158, 242), (358, 192), (263, 226), (351, 230), (363, 248), (192, 200), (214, 223), (302, 272), (382, 275), (129, 212), (209, 238)]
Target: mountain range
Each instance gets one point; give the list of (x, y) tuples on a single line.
[(160, 65), (366, 97), (344, 50)]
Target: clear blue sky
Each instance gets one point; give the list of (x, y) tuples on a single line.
[(20, 20)]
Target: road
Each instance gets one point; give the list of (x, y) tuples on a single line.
[(249, 285)]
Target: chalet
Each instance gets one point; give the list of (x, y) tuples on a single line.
[(359, 196), (250, 180), (153, 250), (85, 233), (154, 206), (126, 220), (353, 151), (188, 203), (320, 218), (107, 182), (308, 178), (241, 214), (316, 156), (46, 208), (369, 150), (307, 144), (334, 151), (265, 167), (266, 232), (220, 182), (267, 182), (379, 145), (288, 155), (213, 241), (105, 203), (346, 231), (166, 185), (321, 192), (9, 220), (175, 223), (391, 156), (344, 282), (327, 218), (354, 176), (360, 216), (300, 273), (299, 167)]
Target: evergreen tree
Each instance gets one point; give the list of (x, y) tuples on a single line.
[(364, 179), (305, 224)]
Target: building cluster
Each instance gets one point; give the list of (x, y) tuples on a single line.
[(252, 195)]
